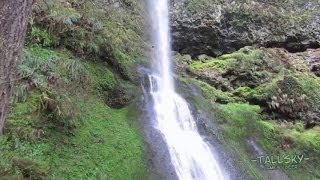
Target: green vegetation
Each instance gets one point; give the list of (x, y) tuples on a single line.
[(238, 117), (59, 129), (104, 146), (241, 122), (71, 115), (102, 78), (266, 77), (264, 95), (246, 67), (220, 65), (310, 85), (96, 30), (237, 122), (209, 92), (244, 58)]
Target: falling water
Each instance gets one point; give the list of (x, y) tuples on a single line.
[(190, 155)]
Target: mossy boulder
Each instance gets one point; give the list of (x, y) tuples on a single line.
[(209, 92), (248, 67)]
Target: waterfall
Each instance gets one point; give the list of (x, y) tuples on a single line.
[(190, 155)]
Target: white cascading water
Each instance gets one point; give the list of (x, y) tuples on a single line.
[(190, 155)]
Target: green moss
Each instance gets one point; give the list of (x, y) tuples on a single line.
[(125, 62), (196, 102), (105, 146), (246, 67), (246, 58), (238, 117), (211, 93), (304, 142), (23, 114), (308, 139), (100, 76), (21, 158), (310, 85), (255, 95), (220, 65), (64, 130), (267, 136), (238, 123)]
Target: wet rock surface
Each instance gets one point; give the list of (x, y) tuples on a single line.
[(217, 27), (312, 58)]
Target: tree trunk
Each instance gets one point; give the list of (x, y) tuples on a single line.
[(13, 25)]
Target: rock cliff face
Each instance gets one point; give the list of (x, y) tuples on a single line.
[(214, 27), (257, 65)]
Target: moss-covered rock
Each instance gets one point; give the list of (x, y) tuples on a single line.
[(248, 67), (272, 78), (263, 84), (209, 92)]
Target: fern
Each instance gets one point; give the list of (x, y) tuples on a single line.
[(75, 69), (37, 69), (20, 93)]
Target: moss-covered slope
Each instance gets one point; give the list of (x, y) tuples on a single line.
[(267, 97), (72, 114)]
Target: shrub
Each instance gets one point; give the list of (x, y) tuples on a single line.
[(59, 110), (293, 105), (29, 169)]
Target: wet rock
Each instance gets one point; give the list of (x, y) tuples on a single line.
[(217, 27), (181, 62), (312, 58), (204, 57), (316, 69)]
